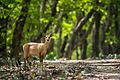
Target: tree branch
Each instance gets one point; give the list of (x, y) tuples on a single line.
[(75, 31)]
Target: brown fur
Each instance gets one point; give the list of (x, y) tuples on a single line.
[(36, 49)]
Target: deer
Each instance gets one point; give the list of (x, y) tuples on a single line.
[(36, 49)]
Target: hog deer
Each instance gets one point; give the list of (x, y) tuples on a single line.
[(36, 49)]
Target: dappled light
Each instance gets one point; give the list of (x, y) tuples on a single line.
[(59, 40)]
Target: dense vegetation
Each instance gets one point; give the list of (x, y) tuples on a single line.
[(80, 29)]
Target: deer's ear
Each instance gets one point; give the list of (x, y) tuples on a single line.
[(43, 34), (50, 34)]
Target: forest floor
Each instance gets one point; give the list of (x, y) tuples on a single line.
[(65, 70)]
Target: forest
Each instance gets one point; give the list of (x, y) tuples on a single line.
[(78, 30)]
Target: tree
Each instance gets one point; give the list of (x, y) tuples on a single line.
[(95, 35), (17, 34), (75, 31)]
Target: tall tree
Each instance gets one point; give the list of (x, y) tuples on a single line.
[(53, 13), (17, 34), (3, 29), (95, 35), (117, 29), (105, 46), (75, 31)]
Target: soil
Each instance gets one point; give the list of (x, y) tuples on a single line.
[(64, 70)]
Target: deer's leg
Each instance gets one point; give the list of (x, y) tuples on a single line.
[(26, 53), (24, 62), (29, 63), (41, 60)]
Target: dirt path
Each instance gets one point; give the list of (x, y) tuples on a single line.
[(65, 70), (90, 69)]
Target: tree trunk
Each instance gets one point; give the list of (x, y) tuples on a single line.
[(95, 35), (3, 29), (117, 30), (17, 34), (63, 46), (83, 40), (105, 47), (83, 45), (59, 41), (42, 9), (53, 13), (75, 31), (84, 50)]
